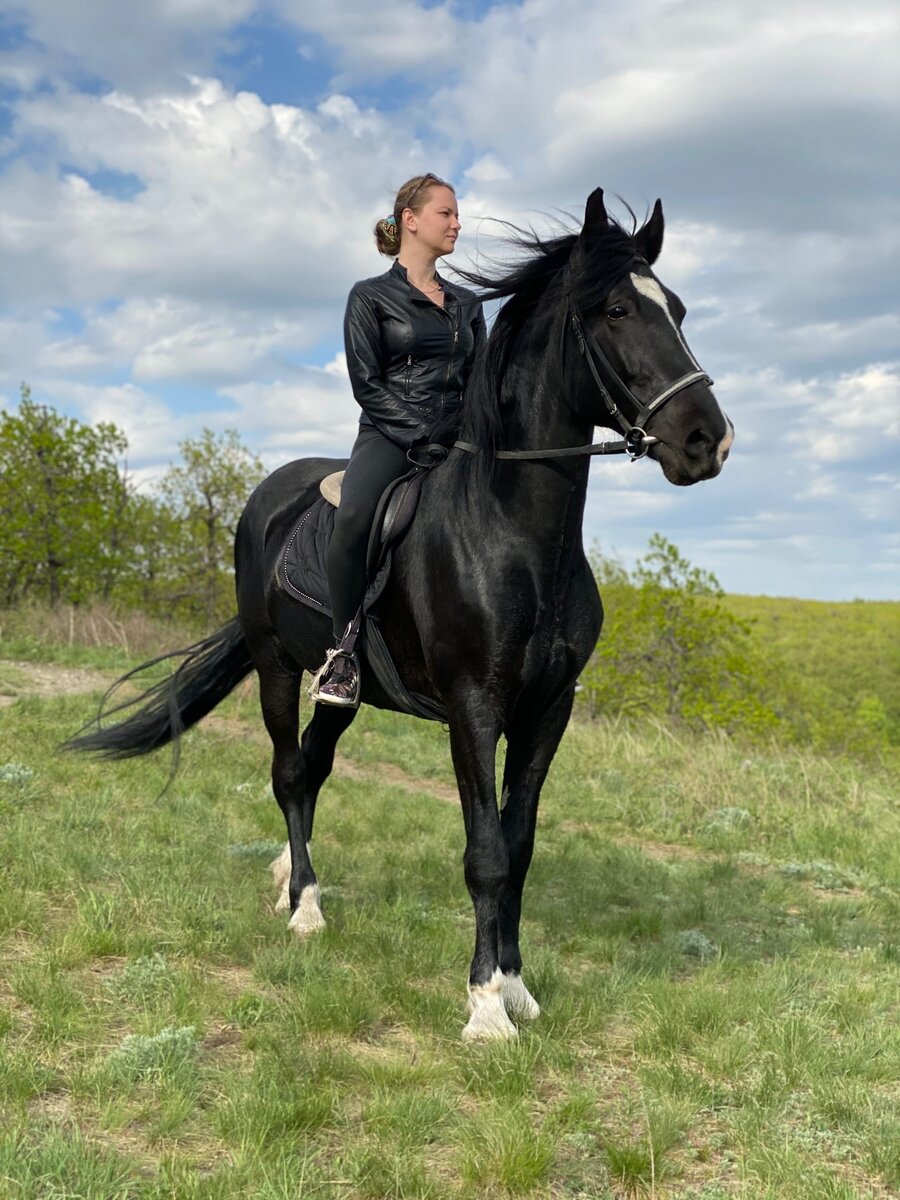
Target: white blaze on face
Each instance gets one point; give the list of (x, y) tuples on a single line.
[(649, 288), (726, 443), (652, 291)]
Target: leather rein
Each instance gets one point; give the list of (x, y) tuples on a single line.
[(613, 391)]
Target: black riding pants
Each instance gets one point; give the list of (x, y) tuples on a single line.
[(374, 462)]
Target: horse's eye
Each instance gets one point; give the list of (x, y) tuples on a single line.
[(617, 312)]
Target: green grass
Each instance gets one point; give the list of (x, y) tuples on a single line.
[(712, 936)]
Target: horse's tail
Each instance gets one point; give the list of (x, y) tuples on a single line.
[(209, 671)]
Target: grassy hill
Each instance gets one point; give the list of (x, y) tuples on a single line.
[(837, 664)]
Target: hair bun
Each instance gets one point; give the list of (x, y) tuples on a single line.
[(387, 236)]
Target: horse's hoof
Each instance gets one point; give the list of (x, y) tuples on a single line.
[(307, 918), (489, 1020), (517, 999), (481, 1030)]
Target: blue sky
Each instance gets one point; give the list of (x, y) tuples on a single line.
[(188, 187)]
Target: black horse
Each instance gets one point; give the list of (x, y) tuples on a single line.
[(492, 609)]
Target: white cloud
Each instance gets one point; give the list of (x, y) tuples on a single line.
[(152, 428), (311, 413), (141, 45), (853, 417), (488, 169), (168, 339), (240, 199), (373, 41), (668, 99), (21, 341), (612, 506), (693, 249), (176, 251)]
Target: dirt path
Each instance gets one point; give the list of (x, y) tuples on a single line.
[(47, 680), (396, 777)]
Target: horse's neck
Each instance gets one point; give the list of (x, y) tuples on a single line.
[(544, 499), (537, 415), (540, 419)]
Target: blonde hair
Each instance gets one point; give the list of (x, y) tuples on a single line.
[(413, 194)]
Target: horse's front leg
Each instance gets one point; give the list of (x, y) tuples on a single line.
[(474, 732), (532, 740)]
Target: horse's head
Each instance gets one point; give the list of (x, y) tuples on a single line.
[(635, 353)]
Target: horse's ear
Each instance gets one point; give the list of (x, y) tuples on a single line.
[(649, 240), (595, 216)]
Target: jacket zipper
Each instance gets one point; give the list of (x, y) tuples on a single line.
[(449, 370), (409, 363)]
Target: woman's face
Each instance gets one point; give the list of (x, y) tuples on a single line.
[(436, 225)]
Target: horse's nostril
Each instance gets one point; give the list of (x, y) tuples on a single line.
[(698, 439)]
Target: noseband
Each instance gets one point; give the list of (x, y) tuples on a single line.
[(613, 391)]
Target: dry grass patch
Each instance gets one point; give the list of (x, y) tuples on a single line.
[(130, 1139)]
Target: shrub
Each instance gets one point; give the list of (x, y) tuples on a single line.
[(671, 649)]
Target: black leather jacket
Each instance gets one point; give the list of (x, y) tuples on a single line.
[(409, 359)]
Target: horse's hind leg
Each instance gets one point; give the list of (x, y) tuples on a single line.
[(298, 772)]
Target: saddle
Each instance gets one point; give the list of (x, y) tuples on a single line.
[(301, 571)]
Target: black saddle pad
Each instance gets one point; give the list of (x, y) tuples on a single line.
[(302, 562), (301, 572)]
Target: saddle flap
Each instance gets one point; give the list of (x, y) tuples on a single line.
[(393, 516)]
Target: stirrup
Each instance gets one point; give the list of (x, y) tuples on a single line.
[(321, 677)]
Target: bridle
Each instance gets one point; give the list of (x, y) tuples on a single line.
[(614, 391), (611, 387)]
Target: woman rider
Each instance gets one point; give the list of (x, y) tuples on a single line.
[(411, 338)]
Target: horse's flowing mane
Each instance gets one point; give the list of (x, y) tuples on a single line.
[(539, 284)]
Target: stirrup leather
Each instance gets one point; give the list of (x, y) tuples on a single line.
[(321, 676)]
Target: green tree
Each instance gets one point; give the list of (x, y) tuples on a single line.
[(63, 505), (672, 649), (206, 496), (151, 581)]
